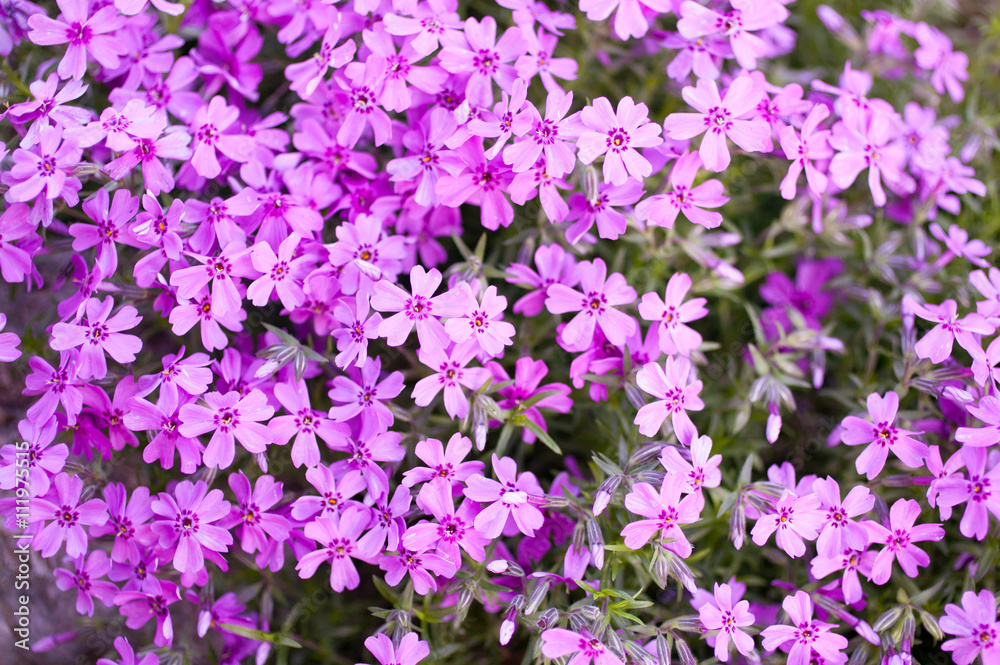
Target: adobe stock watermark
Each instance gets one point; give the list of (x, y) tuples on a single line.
[(22, 544)]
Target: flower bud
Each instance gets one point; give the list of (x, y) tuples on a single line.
[(465, 598), (682, 573), (684, 651), (638, 654), (591, 184), (662, 649), (596, 541), (737, 526), (614, 643), (547, 619), (634, 395), (605, 492), (537, 596), (589, 612), (503, 566)]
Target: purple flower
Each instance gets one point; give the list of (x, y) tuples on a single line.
[(444, 464), (450, 375), (361, 395), (938, 343), (154, 600), (719, 118), (8, 343), (899, 541), (616, 136), (338, 539), (335, 493), (881, 436), (230, 418), (509, 497), (795, 519), (559, 642), (56, 386), (416, 564), (600, 209), (980, 491), (546, 136), (185, 525), (86, 577), (126, 522), (44, 172), (948, 68), (358, 328), (255, 523), (110, 229), (483, 182), (975, 626), (208, 127), (596, 306), (805, 634), (867, 140), (281, 273), (66, 515), (222, 272), (85, 33), (727, 618), (479, 321), (662, 209), (804, 149), (701, 472), (387, 523), (672, 315), (418, 308), (484, 57), (738, 25), (988, 411), (839, 531), (852, 562), (676, 395), (427, 158), (528, 374), (128, 655), (411, 649), (43, 461), (303, 423), (554, 265), (164, 419), (665, 512), (454, 528)]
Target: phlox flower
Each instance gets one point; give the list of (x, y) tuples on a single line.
[(805, 148), (127, 653), (387, 524), (86, 577), (428, 158), (528, 374), (881, 436), (358, 328), (616, 135), (665, 511), (111, 227), (306, 76), (230, 417), (365, 253), (187, 313), (509, 497), (281, 273), (84, 32), (988, 411), (868, 140), (16, 231), (701, 472), (672, 314), (483, 182), (304, 424), (44, 173), (364, 453), (100, 334), (185, 523), (600, 209), (554, 264), (223, 272), (153, 601), (538, 61), (795, 519), (451, 374), (853, 563), (411, 649), (548, 136), (419, 309), (479, 321), (738, 24), (948, 68), (454, 529), (252, 516), (208, 127), (559, 642), (805, 635), (445, 464), (938, 343), (68, 515), (8, 343), (498, 123), (126, 522), (975, 627), (728, 619), (596, 305), (676, 395), (979, 490), (160, 230), (483, 56), (191, 374), (50, 106), (44, 459), (899, 541), (338, 540), (418, 565), (361, 395), (334, 493), (164, 419), (719, 118), (684, 198)]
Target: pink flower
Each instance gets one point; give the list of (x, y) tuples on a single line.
[(454, 528), (662, 209), (804, 149), (719, 118), (281, 273), (84, 34), (418, 308), (335, 493), (868, 140), (839, 531), (727, 618), (153, 601), (948, 67), (548, 137), (68, 515), (450, 375), (988, 411), (616, 136), (672, 315), (483, 182), (528, 374), (185, 524), (509, 497), (630, 19), (852, 562), (416, 564), (601, 209), (737, 24), (8, 343), (358, 328), (338, 539), (795, 519), (45, 171), (125, 649), (230, 418), (559, 642), (255, 523), (938, 343), (222, 272), (975, 627), (210, 121), (306, 76), (805, 634), (99, 335), (665, 512), (596, 306), (701, 471), (554, 265), (86, 577), (676, 394), (361, 395), (882, 436), (899, 541), (445, 464), (126, 522), (485, 58), (479, 321), (110, 228), (304, 424), (411, 649), (387, 523), (980, 491)]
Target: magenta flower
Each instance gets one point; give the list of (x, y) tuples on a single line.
[(44, 459), (110, 229), (419, 565), (528, 374), (701, 471), (559, 642), (479, 321), (365, 253), (672, 315), (222, 272), (483, 182), (86, 577), (548, 137), (988, 411), (445, 464), (418, 308), (388, 522), (662, 209), (665, 512), (719, 118), (362, 395), (363, 91), (795, 519), (980, 491), (306, 76), (303, 423), (56, 386), (727, 618), (948, 68), (99, 335), (128, 655), (899, 541), (255, 523), (450, 375), (596, 306), (45, 172), (164, 419), (358, 329), (153, 601), (975, 626), (483, 57), (334, 493), (338, 539), (282, 273), (68, 515), (867, 140), (839, 531), (191, 374), (185, 524), (126, 522), (938, 343), (616, 136), (364, 455), (509, 497), (427, 158), (411, 649), (805, 634), (8, 343), (16, 231), (601, 209), (853, 563), (738, 25), (554, 265), (881, 437), (630, 19), (207, 127), (85, 33), (454, 529), (804, 149), (230, 418), (676, 395)]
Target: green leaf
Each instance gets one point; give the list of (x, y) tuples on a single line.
[(543, 436), (260, 636)]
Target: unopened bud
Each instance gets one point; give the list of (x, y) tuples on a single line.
[(737, 526), (662, 649), (684, 651), (682, 573), (638, 654), (547, 619), (661, 569), (614, 643), (589, 612), (646, 454), (596, 541), (578, 622), (503, 566), (860, 655), (689, 623), (537, 596), (465, 598), (605, 492), (634, 395), (773, 423), (591, 184), (651, 476)]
